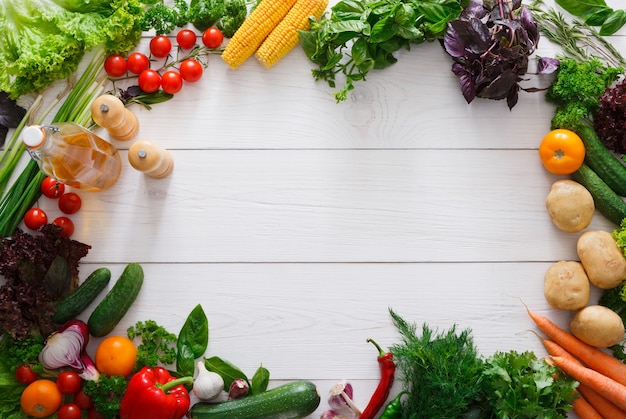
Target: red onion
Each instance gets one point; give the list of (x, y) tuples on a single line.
[(64, 347), (89, 371)]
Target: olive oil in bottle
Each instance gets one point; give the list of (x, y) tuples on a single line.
[(73, 155)]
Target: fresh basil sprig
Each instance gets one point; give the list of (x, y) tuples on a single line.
[(596, 13), (193, 340)]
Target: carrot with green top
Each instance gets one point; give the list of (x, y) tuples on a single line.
[(603, 385), (589, 355)]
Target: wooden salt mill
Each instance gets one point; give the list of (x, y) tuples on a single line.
[(109, 112), (150, 159)]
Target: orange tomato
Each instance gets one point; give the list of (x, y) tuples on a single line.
[(41, 398), (562, 151), (116, 355)]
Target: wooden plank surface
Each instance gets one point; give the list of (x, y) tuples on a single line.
[(298, 222)]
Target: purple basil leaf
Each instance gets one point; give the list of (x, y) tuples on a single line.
[(547, 65), (479, 36), (528, 22), (474, 10), (511, 99), (500, 87), (517, 4), (454, 39), (468, 88), (11, 115)]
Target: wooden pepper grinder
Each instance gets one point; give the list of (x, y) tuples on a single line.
[(150, 159), (109, 112)]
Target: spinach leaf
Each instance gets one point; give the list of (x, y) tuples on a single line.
[(228, 371), (260, 380), (193, 340)]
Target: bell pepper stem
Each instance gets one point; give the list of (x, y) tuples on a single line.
[(171, 384)]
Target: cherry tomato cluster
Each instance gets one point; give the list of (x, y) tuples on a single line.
[(44, 397), (69, 203), (171, 76)]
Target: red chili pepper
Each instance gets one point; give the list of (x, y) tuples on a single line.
[(387, 373), (152, 393)]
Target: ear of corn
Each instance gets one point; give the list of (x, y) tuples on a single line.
[(285, 36), (257, 26)]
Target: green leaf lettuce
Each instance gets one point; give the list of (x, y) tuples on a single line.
[(44, 40)]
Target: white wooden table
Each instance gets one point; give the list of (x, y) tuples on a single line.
[(297, 222)]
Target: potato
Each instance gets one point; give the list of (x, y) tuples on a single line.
[(570, 205), (566, 286), (598, 326), (602, 259)]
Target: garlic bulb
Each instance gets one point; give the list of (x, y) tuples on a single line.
[(208, 384)]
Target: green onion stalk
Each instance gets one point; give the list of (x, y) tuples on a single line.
[(25, 190)]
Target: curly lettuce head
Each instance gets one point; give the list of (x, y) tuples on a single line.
[(44, 40)]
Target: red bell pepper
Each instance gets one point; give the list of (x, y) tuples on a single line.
[(153, 393)]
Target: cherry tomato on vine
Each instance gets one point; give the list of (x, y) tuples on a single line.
[(69, 203), (69, 382), (67, 225), (562, 151), (25, 375), (186, 38), (52, 188), (115, 65), (69, 411), (137, 62), (160, 46), (83, 400), (149, 80), (191, 70), (35, 218), (171, 82), (212, 38)]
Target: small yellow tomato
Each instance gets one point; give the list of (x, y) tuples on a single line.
[(562, 151), (116, 355)]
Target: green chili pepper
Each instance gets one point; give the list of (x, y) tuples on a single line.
[(393, 410)]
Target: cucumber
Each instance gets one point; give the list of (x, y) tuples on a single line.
[(293, 400), (606, 201), (116, 303), (75, 303), (600, 159)]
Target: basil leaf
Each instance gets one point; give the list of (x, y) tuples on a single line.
[(58, 277), (225, 369), (383, 30), (613, 23), (193, 340), (260, 380), (598, 18), (582, 8)]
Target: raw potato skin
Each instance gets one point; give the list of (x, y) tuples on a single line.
[(598, 326), (602, 259), (566, 286), (570, 205)]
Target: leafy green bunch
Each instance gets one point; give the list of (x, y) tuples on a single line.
[(361, 35)]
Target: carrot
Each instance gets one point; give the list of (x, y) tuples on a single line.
[(605, 407), (584, 409), (554, 349), (603, 385), (591, 356)]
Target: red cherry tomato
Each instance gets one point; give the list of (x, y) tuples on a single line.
[(94, 414), (69, 203), (160, 46), (149, 80), (82, 400), (212, 38), (69, 411), (35, 218), (137, 62), (67, 225), (191, 70), (69, 382), (52, 188), (115, 65), (25, 375), (171, 82), (186, 38)]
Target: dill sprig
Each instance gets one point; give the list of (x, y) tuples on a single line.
[(440, 371), (578, 40)]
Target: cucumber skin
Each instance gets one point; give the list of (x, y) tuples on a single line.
[(116, 303), (75, 303), (606, 201), (293, 400), (600, 159)]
